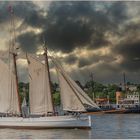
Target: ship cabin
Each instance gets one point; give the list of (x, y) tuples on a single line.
[(103, 103)]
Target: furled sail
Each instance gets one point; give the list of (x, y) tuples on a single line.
[(8, 90), (39, 89), (75, 89)]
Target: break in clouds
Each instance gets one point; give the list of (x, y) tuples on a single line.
[(89, 36)]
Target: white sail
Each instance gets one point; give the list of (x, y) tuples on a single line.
[(8, 90), (69, 101), (82, 95), (76, 89), (39, 89)]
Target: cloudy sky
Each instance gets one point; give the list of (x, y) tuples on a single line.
[(102, 38)]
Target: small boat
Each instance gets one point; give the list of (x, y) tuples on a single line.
[(42, 113)]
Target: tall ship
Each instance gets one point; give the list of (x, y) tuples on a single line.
[(42, 112)]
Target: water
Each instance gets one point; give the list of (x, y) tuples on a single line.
[(106, 126), (116, 126)]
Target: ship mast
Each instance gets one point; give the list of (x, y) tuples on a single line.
[(92, 85), (124, 82), (14, 54), (47, 66)]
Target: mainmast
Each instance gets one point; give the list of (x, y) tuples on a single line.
[(14, 54), (49, 78)]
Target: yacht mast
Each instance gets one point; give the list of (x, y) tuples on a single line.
[(14, 55), (47, 66)]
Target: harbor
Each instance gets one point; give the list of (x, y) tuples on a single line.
[(125, 98), (69, 70)]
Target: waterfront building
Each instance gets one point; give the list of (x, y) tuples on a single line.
[(131, 99)]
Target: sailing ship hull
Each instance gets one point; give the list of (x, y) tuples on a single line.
[(51, 122)]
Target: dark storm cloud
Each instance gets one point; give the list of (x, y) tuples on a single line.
[(129, 47), (76, 24), (117, 12), (98, 40), (3, 12), (27, 13), (28, 42), (25, 10), (104, 72), (70, 59), (82, 62), (69, 24), (132, 30), (129, 50)]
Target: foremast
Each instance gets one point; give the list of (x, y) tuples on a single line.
[(14, 54), (16, 75)]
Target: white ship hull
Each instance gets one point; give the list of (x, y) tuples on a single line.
[(46, 122)]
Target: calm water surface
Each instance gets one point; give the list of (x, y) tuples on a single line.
[(104, 126)]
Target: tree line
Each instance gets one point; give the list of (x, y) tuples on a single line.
[(91, 88)]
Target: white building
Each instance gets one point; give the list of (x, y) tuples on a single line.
[(131, 100)]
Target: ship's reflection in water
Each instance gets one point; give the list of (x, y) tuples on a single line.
[(45, 134), (107, 126)]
